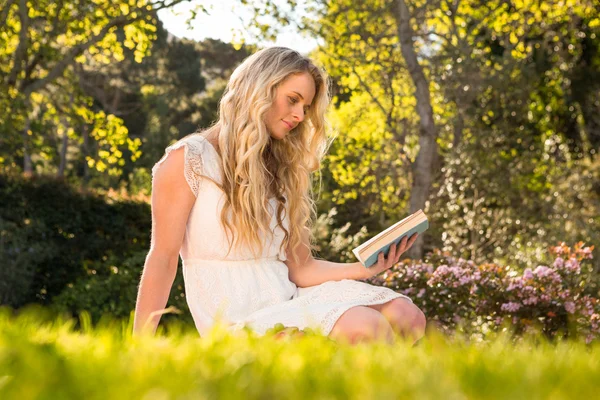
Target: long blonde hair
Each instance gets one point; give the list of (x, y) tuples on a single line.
[(257, 167)]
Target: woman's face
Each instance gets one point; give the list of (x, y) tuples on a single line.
[(293, 98)]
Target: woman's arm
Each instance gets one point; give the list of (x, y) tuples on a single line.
[(304, 270), (172, 200)]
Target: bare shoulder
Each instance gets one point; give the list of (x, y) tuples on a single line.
[(171, 203), (170, 167), (169, 177)]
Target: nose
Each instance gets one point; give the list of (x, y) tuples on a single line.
[(298, 113)]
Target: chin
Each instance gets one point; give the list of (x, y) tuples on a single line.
[(279, 136)]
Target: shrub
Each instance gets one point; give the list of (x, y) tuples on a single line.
[(110, 290), (52, 236), (560, 299)]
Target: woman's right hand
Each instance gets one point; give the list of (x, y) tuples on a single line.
[(385, 263)]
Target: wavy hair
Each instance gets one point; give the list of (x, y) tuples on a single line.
[(257, 167)]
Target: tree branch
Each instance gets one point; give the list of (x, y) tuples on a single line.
[(164, 4), (21, 50), (368, 90), (75, 51)]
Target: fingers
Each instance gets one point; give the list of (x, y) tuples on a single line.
[(402, 244), (405, 243), (396, 251), (392, 253), (382, 260), (401, 249), (412, 239)]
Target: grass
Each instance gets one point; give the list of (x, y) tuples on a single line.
[(43, 358)]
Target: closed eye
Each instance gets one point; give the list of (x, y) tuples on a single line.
[(294, 100)]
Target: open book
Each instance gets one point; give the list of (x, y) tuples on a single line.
[(368, 251)]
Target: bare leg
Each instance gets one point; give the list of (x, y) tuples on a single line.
[(362, 324), (406, 319)]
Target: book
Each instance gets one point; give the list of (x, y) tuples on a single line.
[(368, 251)]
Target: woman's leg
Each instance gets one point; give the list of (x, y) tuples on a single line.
[(360, 324), (406, 319)]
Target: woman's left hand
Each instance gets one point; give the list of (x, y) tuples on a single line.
[(393, 257)]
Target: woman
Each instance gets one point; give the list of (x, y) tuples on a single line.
[(235, 201)]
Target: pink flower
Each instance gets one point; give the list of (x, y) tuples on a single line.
[(542, 271), (559, 262), (587, 251), (545, 298), (570, 307), (530, 300), (510, 307), (464, 280), (527, 274), (573, 265)]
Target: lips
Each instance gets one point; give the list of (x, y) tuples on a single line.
[(289, 126)]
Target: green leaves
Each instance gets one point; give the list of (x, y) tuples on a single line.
[(71, 357)]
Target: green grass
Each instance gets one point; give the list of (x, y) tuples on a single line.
[(48, 359)]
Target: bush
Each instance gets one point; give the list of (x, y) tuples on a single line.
[(21, 253), (52, 236), (114, 293), (560, 299)]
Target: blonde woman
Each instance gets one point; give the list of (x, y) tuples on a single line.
[(235, 202)]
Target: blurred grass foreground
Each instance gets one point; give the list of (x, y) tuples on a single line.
[(45, 358)]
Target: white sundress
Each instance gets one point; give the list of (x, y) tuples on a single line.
[(240, 290)]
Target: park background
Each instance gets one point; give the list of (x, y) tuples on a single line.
[(485, 115)]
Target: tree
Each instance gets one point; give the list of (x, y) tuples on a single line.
[(41, 43), (497, 73)]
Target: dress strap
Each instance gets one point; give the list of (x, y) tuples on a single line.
[(200, 160)]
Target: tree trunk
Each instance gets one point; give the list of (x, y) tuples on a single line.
[(27, 165), (422, 167), (591, 123), (459, 125), (86, 152), (63, 153)]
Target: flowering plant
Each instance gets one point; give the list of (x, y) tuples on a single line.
[(558, 299)]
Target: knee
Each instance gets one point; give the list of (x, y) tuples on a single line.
[(362, 323), (376, 325), (419, 323), (408, 318)]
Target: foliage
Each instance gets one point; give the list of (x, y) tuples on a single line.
[(559, 299), (111, 288), (42, 44), (516, 144), (515, 101), (22, 249), (40, 355), (53, 235), (335, 243), (507, 209)]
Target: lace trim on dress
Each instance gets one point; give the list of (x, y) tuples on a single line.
[(340, 295), (193, 162)]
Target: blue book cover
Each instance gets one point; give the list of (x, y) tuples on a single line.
[(415, 223)]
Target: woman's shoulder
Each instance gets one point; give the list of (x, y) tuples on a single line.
[(199, 159), (195, 143)]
